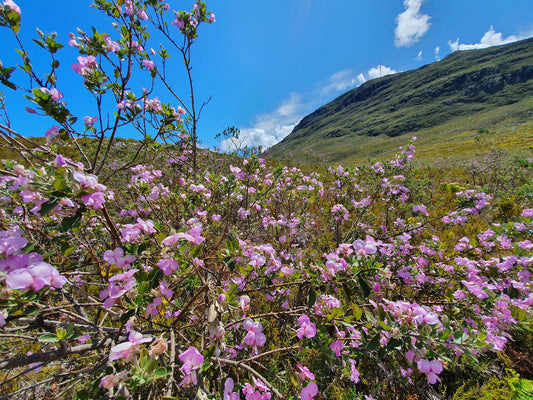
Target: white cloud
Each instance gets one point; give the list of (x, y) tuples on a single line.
[(341, 81), (258, 136), (379, 71), (269, 128), (490, 38), (361, 79), (411, 25), (419, 56), (437, 53)]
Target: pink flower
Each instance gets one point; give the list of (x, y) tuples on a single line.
[(87, 181), (142, 15), (305, 373), (191, 359), (85, 65), (11, 242), (36, 276), (148, 64), (54, 93), (526, 245), (337, 347), (168, 265), (527, 213), (82, 339), (153, 105), (211, 18), (60, 161), (119, 285), (307, 328), (89, 121), (116, 257), (244, 303), (165, 290), (111, 45), (229, 394), (12, 6), (193, 236), (354, 376), (366, 247), (431, 369), (52, 133), (422, 209), (179, 23), (151, 309), (110, 381), (125, 350), (310, 391), (255, 336), (94, 200)]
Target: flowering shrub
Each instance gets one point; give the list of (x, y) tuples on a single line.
[(184, 276)]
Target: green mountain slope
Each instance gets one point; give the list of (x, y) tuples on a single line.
[(444, 104)]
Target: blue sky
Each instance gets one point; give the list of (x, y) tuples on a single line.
[(266, 64)]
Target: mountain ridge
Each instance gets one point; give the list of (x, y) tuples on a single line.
[(463, 85)]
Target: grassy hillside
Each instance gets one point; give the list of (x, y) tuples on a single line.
[(445, 104)]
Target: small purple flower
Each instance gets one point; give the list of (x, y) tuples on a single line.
[(148, 64), (191, 359), (527, 213), (307, 328)]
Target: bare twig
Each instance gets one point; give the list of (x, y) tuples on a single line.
[(50, 355), (240, 364)]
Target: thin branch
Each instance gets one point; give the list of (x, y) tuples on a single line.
[(240, 364), (50, 355), (267, 353)]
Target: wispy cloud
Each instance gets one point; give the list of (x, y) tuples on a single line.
[(419, 56), (437, 53), (490, 38), (342, 80), (268, 129), (411, 25)]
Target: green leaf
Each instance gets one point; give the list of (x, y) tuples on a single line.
[(518, 314), (69, 223), (357, 312), (206, 365), (312, 297), (373, 344), (364, 287), (48, 206), (347, 293), (49, 338), (394, 344), (82, 395), (8, 84), (144, 287), (196, 250), (208, 353), (384, 325)]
